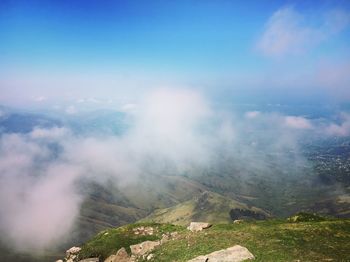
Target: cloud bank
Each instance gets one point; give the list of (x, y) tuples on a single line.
[(290, 32)]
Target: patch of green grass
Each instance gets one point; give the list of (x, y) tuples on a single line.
[(207, 207), (269, 240), (273, 240), (109, 241), (305, 217)]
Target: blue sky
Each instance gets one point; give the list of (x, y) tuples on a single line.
[(66, 50)]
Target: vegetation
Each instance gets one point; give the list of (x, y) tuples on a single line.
[(269, 240), (207, 207), (110, 241), (306, 217)]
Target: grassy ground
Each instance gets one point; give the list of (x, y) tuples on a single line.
[(272, 240), (267, 240), (109, 241)]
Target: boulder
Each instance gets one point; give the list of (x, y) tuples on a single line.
[(198, 226), (72, 251), (144, 247), (120, 256), (233, 254)]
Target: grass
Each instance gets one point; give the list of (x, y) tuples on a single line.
[(109, 241), (272, 240), (305, 217), (269, 240), (206, 207)]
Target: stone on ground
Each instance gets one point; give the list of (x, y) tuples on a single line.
[(233, 254), (120, 256), (198, 226), (144, 247)]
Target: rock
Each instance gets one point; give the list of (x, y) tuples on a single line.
[(120, 256), (144, 231), (233, 254), (173, 234), (144, 247), (165, 238), (72, 254), (72, 251), (198, 226), (150, 256), (91, 259)]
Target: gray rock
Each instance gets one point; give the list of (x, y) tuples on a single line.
[(120, 256), (144, 247), (233, 254), (198, 226), (144, 231), (72, 251)]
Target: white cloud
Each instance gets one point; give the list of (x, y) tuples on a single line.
[(40, 98), (128, 107), (37, 195), (252, 114), (37, 190), (71, 110), (297, 122), (342, 129), (80, 100), (290, 32), (52, 133)]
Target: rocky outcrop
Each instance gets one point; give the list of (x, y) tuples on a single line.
[(198, 226), (138, 251), (143, 248), (72, 253), (233, 254), (120, 256), (144, 231)]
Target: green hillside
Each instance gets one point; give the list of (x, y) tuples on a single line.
[(206, 207), (269, 240)]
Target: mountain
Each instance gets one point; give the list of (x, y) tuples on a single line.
[(207, 207)]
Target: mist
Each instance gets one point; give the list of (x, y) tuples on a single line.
[(170, 129)]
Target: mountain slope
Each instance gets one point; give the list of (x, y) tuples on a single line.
[(269, 240), (206, 207)]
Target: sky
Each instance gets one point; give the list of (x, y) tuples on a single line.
[(113, 52)]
